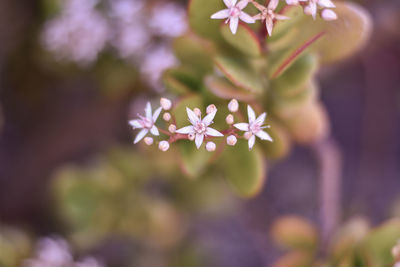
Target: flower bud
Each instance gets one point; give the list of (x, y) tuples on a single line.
[(211, 108), (165, 103), (163, 146), (292, 2), (231, 140), (233, 105), (172, 128), (247, 135), (148, 141), (191, 136), (328, 15), (166, 116), (197, 111), (210, 146), (229, 119)]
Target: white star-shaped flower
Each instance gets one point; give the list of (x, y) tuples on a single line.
[(233, 13), (268, 14), (254, 127), (199, 127), (146, 123)]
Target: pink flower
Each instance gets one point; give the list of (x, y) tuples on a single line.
[(268, 14), (146, 123), (233, 13), (254, 127), (199, 127)]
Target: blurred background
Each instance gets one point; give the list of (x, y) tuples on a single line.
[(66, 149)]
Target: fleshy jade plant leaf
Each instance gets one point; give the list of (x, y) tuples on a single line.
[(332, 40), (244, 170), (222, 88), (281, 145), (245, 40), (181, 80), (195, 53), (294, 232), (380, 241), (200, 21), (193, 161), (296, 78), (240, 73)]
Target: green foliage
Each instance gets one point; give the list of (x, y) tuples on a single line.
[(276, 73), (245, 40), (353, 244), (243, 169), (15, 245)]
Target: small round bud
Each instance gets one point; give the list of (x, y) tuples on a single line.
[(292, 2), (230, 119), (210, 146), (308, 10), (233, 105), (148, 141), (247, 135), (191, 136), (231, 140), (166, 116), (328, 15), (197, 111), (172, 128), (165, 103), (163, 146), (211, 108)]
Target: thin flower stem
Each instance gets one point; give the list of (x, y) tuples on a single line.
[(164, 132), (330, 164)]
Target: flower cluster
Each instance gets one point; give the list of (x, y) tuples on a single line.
[(51, 252), (234, 12), (135, 30), (199, 130)]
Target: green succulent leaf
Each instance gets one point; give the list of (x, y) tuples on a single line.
[(245, 40), (200, 21), (222, 88), (296, 77), (240, 73), (380, 241), (244, 170), (181, 80), (190, 48)]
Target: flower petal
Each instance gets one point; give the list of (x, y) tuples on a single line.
[(326, 3), (140, 135), (251, 114), (154, 131), (264, 136), (246, 17), (213, 132), (234, 23), (199, 140), (281, 17), (156, 114), (192, 116), (273, 4), (260, 120), (148, 111), (233, 2), (135, 124), (252, 140), (185, 130), (242, 126), (258, 16), (228, 3), (222, 14), (208, 119), (269, 23), (242, 4)]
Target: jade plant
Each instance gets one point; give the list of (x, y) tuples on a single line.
[(355, 243), (269, 67)]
